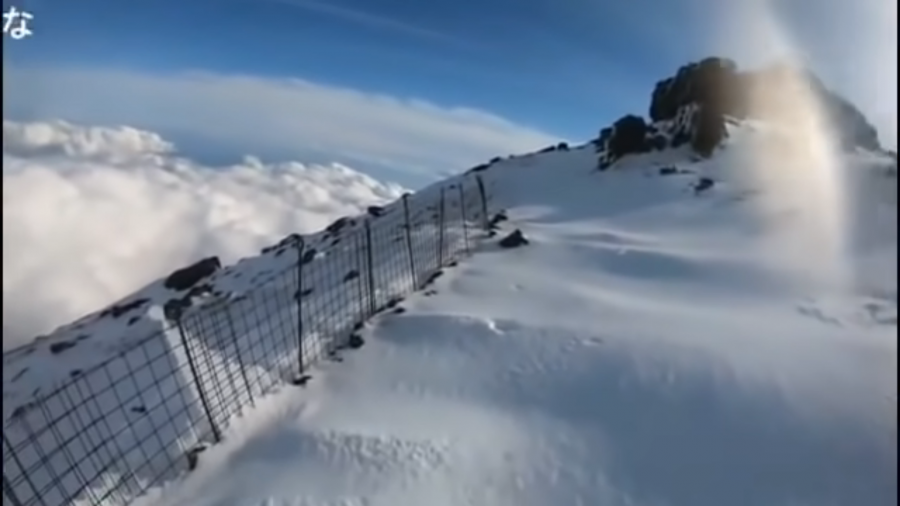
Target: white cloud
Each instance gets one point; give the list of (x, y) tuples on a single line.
[(364, 18), (91, 214), (290, 117)]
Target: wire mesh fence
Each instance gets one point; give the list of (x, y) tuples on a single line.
[(143, 417)]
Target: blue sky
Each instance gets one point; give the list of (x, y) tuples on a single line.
[(548, 69)]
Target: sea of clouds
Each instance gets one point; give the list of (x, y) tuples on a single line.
[(91, 214)]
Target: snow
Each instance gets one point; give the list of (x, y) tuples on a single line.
[(119, 409), (638, 352), (647, 348)]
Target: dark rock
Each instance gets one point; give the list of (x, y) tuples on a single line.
[(433, 277), (375, 211), (478, 168), (290, 240), (603, 138), (204, 289), (498, 218), (657, 142), (716, 85), (628, 137), (350, 276), (562, 146), (118, 310), (709, 131), (308, 256), (193, 456), (680, 138), (668, 171), (703, 184), (712, 82), (186, 277), (548, 149), (355, 342), (74, 373), (513, 240), (174, 308), (57, 348), (337, 225), (495, 160), (399, 310), (133, 320), (301, 380)]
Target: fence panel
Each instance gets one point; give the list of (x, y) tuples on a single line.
[(140, 418), (111, 432)]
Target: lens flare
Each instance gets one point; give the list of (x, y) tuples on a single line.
[(797, 158)]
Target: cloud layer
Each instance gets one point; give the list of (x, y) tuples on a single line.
[(283, 117), (91, 214)]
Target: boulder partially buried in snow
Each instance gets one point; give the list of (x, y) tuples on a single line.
[(513, 240), (186, 277)]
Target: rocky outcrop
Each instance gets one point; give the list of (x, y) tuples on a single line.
[(711, 83), (186, 277), (629, 136), (716, 86), (693, 107)]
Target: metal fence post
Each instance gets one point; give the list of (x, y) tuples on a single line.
[(370, 269), (240, 357), (409, 246), (483, 195), (441, 231), (217, 436), (358, 247), (299, 244), (462, 210)]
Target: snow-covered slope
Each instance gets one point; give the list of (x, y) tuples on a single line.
[(705, 314), (32, 371), (645, 349)]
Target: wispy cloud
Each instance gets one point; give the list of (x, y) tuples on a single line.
[(376, 21), (290, 117), (91, 214)]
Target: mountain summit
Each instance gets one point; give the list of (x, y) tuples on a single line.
[(693, 106)]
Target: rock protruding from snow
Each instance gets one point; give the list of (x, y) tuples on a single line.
[(712, 82), (186, 277), (693, 107), (629, 135), (715, 85), (513, 240)]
